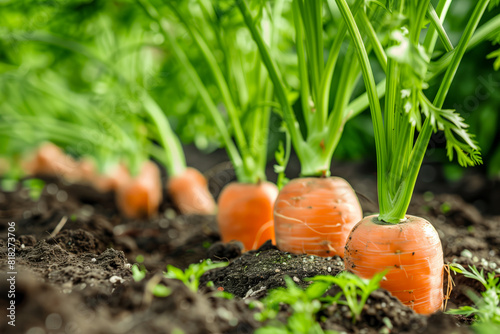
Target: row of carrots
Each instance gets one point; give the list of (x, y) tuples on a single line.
[(309, 215), (137, 196)]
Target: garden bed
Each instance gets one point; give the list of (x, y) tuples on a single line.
[(79, 280)]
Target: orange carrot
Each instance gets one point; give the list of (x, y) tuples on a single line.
[(88, 170), (315, 215), (140, 196), (245, 213), (50, 160), (190, 193), (266, 232), (103, 182), (412, 252), (112, 179)]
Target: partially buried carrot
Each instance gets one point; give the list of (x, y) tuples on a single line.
[(246, 213), (103, 182), (412, 252), (50, 160), (189, 191), (140, 196), (315, 215), (408, 245)]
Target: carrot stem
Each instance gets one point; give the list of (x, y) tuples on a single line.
[(398, 158), (323, 128), (376, 112), (250, 152)]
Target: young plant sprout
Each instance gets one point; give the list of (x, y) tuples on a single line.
[(245, 207), (191, 276), (486, 309), (315, 213), (406, 245)]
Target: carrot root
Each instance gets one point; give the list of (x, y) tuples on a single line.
[(246, 212), (189, 192), (315, 215), (140, 197), (412, 253), (50, 160), (265, 232)]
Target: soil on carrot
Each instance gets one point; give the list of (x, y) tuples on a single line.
[(74, 254)]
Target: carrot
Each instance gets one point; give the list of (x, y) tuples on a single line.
[(111, 180), (265, 233), (140, 196), (315, 215), (102, 182), (412, 252), (88, 170), (189, 191), (245, 213), (408, 245), (50, 160)]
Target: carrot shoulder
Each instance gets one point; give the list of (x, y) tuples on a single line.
[(246, 213), (190, 193), (412, 252), (315, 215), (140, 196)]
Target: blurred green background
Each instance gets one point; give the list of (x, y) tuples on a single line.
[(61, 57)]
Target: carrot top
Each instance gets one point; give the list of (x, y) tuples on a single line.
[(315, 140), (408, 64)]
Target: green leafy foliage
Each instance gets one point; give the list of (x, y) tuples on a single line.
[(453, 124), (495, 55), (191, 276), (412, 56), (486, 309)]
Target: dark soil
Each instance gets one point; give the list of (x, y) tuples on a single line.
[(77, 278)]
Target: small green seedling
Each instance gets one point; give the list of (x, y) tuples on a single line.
[(35, 188), (486, 309), (304, 303), (356, 290), (161, 291), (138, 274), (224, 294), (191, 276), (8, 184), (307, 303)]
